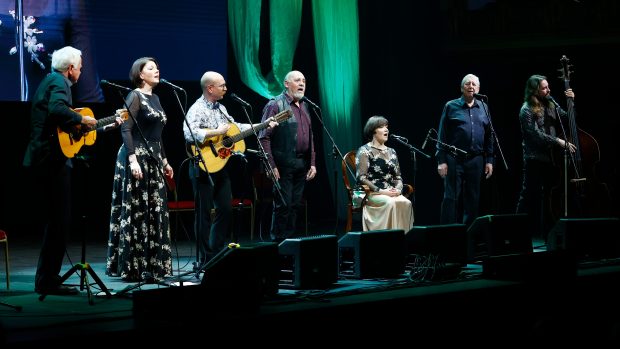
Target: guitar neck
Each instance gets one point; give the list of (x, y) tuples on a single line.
[(105, 121), (243, 134)]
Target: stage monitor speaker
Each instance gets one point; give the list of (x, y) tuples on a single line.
[(238, 271), (372, 254), (309, 262), (448, 243), (495, 235), (586, 238), (235, 282)]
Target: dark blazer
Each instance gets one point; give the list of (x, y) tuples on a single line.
[(51, 108)]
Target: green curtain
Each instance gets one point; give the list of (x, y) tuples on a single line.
[(336, 35), (244, 27)]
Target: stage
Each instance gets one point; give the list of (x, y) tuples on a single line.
[(543, 300)]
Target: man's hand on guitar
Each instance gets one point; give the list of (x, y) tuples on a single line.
[(89, 122), (222, 129), (121, 116), (273, 122)]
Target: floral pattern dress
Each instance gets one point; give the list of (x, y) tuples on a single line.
[(139, 241)]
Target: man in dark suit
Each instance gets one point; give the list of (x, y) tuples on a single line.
[(51, 170)]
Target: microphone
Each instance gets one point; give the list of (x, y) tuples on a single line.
[(240, 101), (164, 81), (550, 99), (482, 97), (426, 139), (241, 155), (312, 104), (106, 82), (256, 152), (399, 138)]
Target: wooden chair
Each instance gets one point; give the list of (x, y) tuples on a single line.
[(244, 202), (179, 203), (176, 206), (349, 169)]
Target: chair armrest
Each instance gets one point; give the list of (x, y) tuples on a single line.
[(407, 190)]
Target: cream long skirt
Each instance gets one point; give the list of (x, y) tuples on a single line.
[(387, 212)]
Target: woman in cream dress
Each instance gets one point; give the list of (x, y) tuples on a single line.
[(377, 167)]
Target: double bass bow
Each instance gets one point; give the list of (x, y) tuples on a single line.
[(582, 194)]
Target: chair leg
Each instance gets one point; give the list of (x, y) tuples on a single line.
[(6, 260), (252, 222)]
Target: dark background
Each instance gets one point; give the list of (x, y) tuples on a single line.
[(413, 57)]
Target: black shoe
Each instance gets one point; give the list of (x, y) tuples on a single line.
[(60, 290)]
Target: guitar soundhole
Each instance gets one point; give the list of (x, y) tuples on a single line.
[(227, 142)]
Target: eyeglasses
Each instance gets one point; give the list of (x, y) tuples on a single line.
[(220, 86)]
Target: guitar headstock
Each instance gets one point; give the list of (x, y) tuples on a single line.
[(283, 115), (123, 113)]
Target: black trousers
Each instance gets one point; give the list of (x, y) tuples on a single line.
[(292, 183), (211, 236), (535, 196), (53, 182), (462, 182)]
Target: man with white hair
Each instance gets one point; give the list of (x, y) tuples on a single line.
[(290, 152), (464, 125), (51, 170)]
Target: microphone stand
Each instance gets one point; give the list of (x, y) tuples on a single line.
[(336, 154), (499, 147), (566, 154), (197, 158), (19, 44), (454, 151), (262, 155), (413, 150), (448, 147)]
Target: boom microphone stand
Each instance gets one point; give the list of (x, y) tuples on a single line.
[(84, 267), (198, 158), (567, 154), (454, 151), (336, 153), (262, 155), (413, 151), (499, 147)]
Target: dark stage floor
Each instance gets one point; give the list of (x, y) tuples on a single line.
[(512, 299)]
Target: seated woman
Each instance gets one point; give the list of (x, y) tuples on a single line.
[(377, 167)]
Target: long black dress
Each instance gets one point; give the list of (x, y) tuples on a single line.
[(139, 239)]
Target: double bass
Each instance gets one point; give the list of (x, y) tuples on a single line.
[(580, 194)]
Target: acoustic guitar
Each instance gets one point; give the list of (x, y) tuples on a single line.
[(217, 150), (72, 140)]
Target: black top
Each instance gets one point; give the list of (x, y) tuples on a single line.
[(51, 108)]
